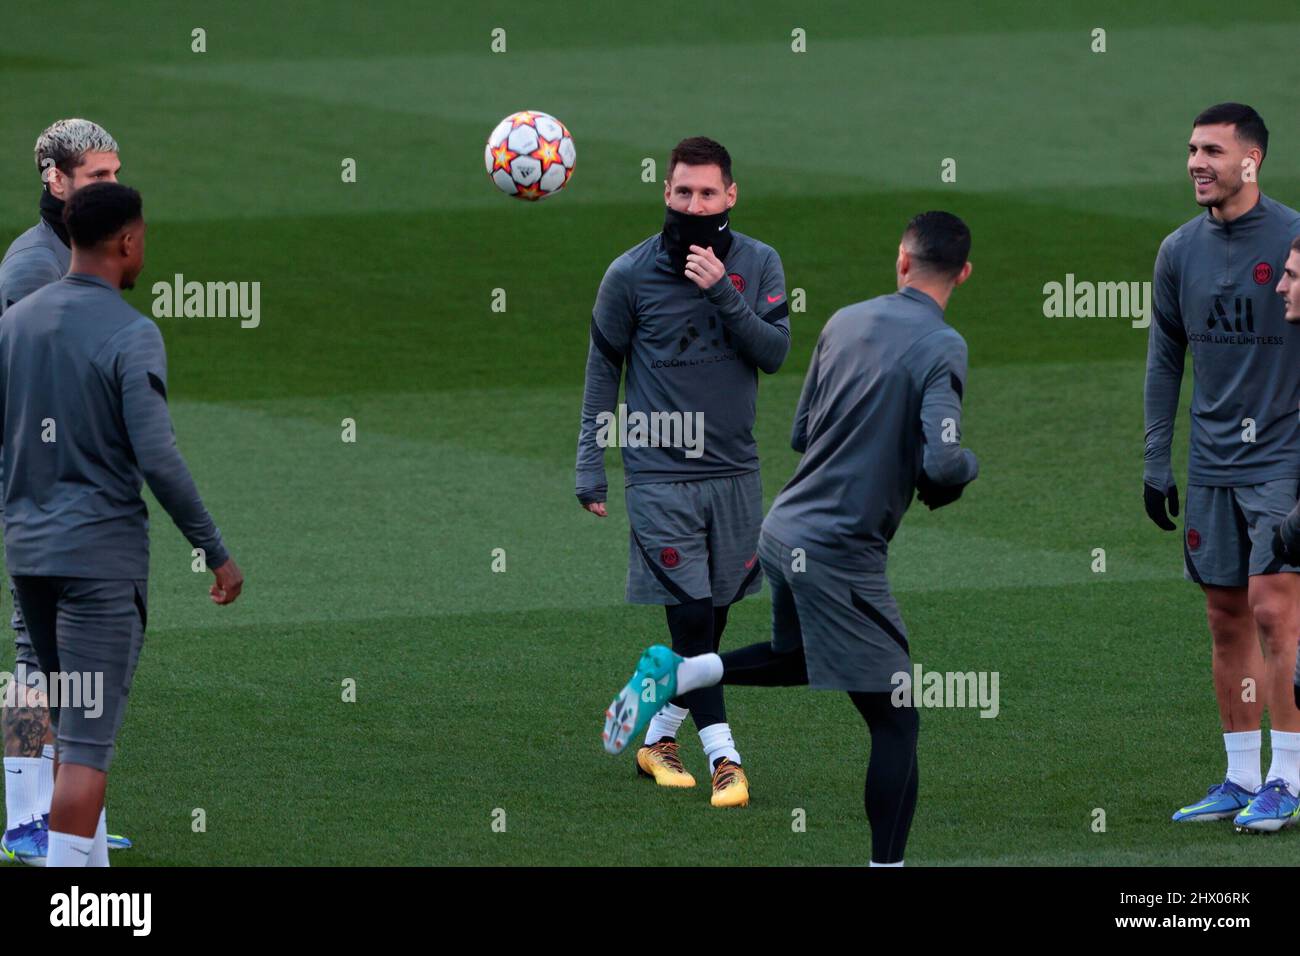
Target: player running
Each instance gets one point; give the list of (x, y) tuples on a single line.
[(879, 416), (75, 526), (1213, 293), (69, 154), (694, 312)]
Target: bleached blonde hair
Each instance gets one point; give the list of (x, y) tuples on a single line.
[(64, 144)]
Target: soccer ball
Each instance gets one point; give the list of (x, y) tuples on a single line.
[(530, 155)]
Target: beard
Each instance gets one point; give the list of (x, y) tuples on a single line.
[(1226, 192)]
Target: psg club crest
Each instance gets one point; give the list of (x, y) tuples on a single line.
[(669, 558), (1263, 273), (739, 281), (1193, 538)]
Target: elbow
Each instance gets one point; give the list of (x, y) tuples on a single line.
[(157, 480), (772, 363)]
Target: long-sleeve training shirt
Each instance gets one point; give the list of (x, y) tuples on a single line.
[(35, 259), (1214, 290), (685, 351), (881, 404), (83, 402)]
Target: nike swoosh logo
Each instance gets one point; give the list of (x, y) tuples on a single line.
[(82, 852), (723, 226), (13, 771), (750, 563), (773, 298), (1199, 806)]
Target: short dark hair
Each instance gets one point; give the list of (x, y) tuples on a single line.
[(98, 211), (1248, 125), (701, 151), (939, 242)]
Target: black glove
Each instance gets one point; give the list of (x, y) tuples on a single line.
[(936, 496), (1284, 547), (1154, 499)]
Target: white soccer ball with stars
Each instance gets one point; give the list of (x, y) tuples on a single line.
[(530, 155)]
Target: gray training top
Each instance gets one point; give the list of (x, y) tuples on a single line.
[(881, 403), (687, 350), (1214, 288), (35, 259), (83, 400)]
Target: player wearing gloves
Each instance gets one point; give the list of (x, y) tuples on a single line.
[(1212, 293)]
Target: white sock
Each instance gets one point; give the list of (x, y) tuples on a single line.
[(22, 790), (696, 672), (69, 850), (665, 724), (99, 850), (874, 863), (1286, 759), (46, 778), (1243, 758), (717, 742)]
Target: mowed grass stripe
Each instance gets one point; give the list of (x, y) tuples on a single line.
[(958, 81)]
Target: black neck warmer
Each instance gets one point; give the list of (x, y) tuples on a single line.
[(52, 213), (682, 230)]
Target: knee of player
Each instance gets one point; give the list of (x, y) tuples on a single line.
[(1277, 621), (1229, 621)]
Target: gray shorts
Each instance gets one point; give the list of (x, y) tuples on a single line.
[(24, 654), (845, 618), (1228, 531), (94, 629), (694, 539)]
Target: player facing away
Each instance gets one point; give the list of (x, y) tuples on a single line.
[(1213, 293), (71, 153), (879, 417), (693, 313), (75, 525)]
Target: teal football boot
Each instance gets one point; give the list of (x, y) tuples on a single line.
[(651, 687)]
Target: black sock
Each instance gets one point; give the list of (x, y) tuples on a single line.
[(891, 773), (691, 626)]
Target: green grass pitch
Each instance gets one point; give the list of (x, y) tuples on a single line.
[(478, 692)]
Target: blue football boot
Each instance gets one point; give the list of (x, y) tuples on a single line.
[(1273, 808), (1222, 802), (27, 843)]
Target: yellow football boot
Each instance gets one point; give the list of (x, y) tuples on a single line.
[(730, 788), (662, 762)]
